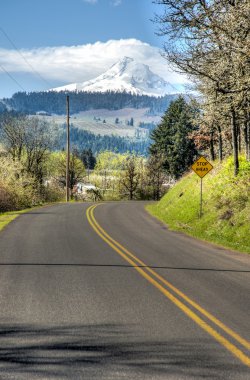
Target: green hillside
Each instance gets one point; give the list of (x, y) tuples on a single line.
[(226, 206)]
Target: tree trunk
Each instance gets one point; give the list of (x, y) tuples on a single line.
[(239, 138), (220, 144), (248, 140), (235, 142), (212, 152), (246, 131)]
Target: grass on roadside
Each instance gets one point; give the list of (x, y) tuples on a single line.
[(226, 206), (7, 217)]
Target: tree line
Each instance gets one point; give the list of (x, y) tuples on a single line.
[(129, 176), (33, 164), (209, 42), (53, 102)]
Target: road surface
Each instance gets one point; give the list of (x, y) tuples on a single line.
[(105, 291)]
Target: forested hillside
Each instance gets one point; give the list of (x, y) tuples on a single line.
[(54, 102), (83, 140)]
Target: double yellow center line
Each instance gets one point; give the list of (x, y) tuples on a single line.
[(198, 314)]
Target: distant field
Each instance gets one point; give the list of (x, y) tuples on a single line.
[(125, 114), (104, 128), (92, 121)]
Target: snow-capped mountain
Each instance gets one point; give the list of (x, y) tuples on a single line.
[(125, 75)]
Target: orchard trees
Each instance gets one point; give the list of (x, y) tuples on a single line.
[(129, 176), (57, 168)]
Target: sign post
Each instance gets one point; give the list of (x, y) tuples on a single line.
[(201, 167), (201, 200)]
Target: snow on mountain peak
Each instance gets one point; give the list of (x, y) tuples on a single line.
[(125, 75)]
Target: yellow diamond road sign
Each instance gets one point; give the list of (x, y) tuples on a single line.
[(201, 167)]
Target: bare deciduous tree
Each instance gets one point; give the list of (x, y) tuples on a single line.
[(209, 41), (130, 177)]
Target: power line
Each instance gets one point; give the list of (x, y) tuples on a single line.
[(19, 85), (23, 57)]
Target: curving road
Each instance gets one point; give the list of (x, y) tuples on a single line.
[(107, 292)]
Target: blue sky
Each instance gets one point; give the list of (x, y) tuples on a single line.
[(65, 41), (36, 23)]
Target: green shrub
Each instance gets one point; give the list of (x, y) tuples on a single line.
[(17, 188)]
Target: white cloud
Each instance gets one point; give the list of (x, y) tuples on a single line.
[(115, 3), (69, 64), (90, 1)]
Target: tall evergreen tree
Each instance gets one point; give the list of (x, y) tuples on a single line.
[(88, 158), (171, 138)]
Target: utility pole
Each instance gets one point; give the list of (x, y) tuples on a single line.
[(67, 151)]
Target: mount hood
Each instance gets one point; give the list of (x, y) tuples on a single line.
[(126, 75)]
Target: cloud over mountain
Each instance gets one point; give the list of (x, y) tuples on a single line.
[(125, 75), (67, 64)]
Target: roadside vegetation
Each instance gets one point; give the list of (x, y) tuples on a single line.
[(226, 206), (7, 217), (24, 156), (209, 42)]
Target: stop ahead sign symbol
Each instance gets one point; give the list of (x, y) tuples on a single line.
[(202, 166)]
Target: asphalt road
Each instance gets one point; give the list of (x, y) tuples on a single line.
[(112, 294)]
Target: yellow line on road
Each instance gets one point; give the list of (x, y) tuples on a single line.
[(217, 322), (134, 261)]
